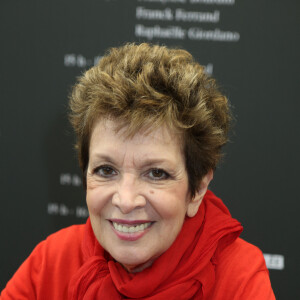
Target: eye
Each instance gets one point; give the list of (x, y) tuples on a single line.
[(158, 174), (105, 171)]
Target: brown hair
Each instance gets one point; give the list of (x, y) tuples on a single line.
[(145, 86)]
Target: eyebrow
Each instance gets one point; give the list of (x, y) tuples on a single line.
[(99, 156), (144, 163), (153, 161)]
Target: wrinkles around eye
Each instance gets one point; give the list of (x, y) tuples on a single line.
[(109, 172), (105, 171), (158, 174)]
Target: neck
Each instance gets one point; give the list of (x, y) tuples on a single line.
[(138, 268)]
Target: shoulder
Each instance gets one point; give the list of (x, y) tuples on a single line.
[(60, 244), (48, 268), (241, 273), (241, 255), (62, 247), (66, 236)]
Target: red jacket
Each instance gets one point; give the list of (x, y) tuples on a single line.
[(241, 272), (232, 268)]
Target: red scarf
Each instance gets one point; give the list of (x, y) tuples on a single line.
[(185, 271)]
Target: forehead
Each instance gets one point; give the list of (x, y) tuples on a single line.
[(109, 131)]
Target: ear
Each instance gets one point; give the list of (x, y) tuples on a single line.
[(194, 203)]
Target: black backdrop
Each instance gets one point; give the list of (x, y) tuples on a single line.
[(251, 47)]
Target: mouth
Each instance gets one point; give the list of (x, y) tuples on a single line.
[(127, 228), (130, 230)]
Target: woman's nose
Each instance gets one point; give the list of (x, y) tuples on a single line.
[(128, 196)]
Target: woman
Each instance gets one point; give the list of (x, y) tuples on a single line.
[(150, 126)]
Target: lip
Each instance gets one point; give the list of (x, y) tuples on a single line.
[(130, 222), (130, 236)]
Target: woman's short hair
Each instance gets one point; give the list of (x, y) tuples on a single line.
[(144, 86)]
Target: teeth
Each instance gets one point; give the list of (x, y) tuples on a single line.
[(131, 229)]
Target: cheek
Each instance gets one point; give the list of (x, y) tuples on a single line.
[(97, 199), (169, 204)]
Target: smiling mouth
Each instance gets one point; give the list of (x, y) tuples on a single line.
[(124, 228)]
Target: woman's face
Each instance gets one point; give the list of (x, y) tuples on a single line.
[(137, 193)]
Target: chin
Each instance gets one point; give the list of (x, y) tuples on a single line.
[(132, 261), (136, 267)]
